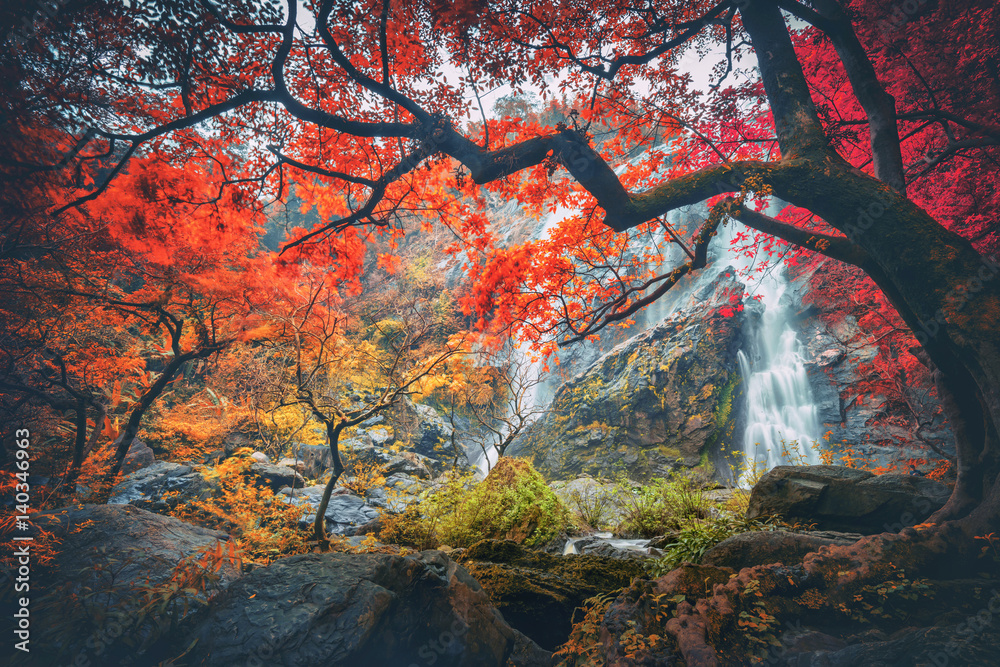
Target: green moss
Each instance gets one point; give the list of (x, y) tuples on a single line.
[(513, 502)]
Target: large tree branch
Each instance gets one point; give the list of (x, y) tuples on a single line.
[(795, 119), (835, 247), (624, 306), (383, 89), (879, 106)]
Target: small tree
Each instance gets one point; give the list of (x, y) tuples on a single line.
[(346, 368), (499, 391)]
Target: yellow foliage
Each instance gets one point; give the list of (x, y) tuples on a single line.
[(264, 526), (360, 476), (191, 429)]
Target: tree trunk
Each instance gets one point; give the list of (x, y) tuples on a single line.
[(333, 434)]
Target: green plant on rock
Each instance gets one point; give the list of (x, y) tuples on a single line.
[(661, 505), (592, 507), (701, 535), (513, 503)]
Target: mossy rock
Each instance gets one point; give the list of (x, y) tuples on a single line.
[(513, 502), (537, 592)]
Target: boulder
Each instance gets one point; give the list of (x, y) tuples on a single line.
[(146, 487), (316, 458), (845, 499), (139, 456), (298, 465), (771, 546), (665, 398), (235, 441), (260, 457), (409, 463), (617, 549), (537, 592), (962, 644), (145, 544), (357, 609), (345, 513), (275, 477), (108, 555)]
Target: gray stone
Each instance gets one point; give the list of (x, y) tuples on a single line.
[(951, 645), (317, 459), (297, 464), (139, 456), (107, 555), (777, 546), (357, 609), (344, 514), (275, 477), (148, 485), (260, 457), (846, 499), (834, 348)]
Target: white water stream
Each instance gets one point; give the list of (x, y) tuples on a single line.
[(782, 423), (781, 416)]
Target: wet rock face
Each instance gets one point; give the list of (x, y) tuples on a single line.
[(107, 556), (144, 543), (537, 592), (665, 398), (777, 546), (846, 499), (835, 347), (358, 609)]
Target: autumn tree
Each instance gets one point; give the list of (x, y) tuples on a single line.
[(348, 364), (496, 389), (352, 105)]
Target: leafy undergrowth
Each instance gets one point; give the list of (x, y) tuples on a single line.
[(660, 506), (263, 525), (512, 503)]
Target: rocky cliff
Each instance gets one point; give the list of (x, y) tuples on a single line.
[(665, 398)]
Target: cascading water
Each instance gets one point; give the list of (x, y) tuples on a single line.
[(484, 455), (782, 422)]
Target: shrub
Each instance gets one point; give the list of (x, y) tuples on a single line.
[(264, 526), (593, 507), (661, 506), (512, 503)]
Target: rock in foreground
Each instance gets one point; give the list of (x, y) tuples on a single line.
[(846, 499), (358, 609), (771, 546)]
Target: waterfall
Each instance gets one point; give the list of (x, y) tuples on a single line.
[(782, 424)]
